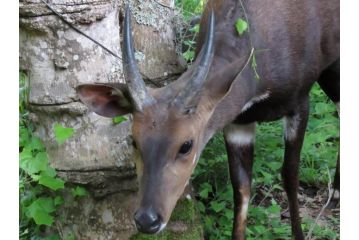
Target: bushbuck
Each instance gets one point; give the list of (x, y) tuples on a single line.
[(293, 43)]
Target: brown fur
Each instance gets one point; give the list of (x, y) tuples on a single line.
[(294, 43)]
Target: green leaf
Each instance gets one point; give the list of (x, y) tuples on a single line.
[(36, 144), (217, 206), (241, 26), (32, 165), (204, 193), (51, 182), (58, 200), (52, 237), (195, 28), (188, 55), (24, 136), (40, 210), (119, 119), (78, 191), (62, 133), (49, 171)]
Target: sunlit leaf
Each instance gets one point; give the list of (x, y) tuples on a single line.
[(62, 133)]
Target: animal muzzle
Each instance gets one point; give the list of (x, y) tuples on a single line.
[(148, 221)]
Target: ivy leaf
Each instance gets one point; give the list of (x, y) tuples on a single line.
[(241, 26), (62, 133), (204, 193), (78, 191), (217, 206), (36, 144), (188, 55), (49, 171), (119, 119), (51, 182), (25, 157), (32, 165), (40, 210), (24, 136)]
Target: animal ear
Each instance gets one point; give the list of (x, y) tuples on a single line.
[(107, 100), (221, 82)]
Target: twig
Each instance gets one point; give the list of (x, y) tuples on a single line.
[(249, 58), (330, 190), (266, 195), (163, 5), (59, 229), (79, 31)]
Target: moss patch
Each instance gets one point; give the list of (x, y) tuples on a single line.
[(183, 213)]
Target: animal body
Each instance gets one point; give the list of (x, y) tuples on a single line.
[(294, 43)]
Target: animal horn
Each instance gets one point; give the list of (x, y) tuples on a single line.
[(135, 83), (200, 67)]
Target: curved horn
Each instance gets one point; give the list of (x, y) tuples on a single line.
[(201, 66), (135, 83)]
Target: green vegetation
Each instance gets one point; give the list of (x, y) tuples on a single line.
[(39, 188), (211, 177)]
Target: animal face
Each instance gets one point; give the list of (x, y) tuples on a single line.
[(168, 126)]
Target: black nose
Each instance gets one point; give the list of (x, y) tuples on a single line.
[(147, 221)]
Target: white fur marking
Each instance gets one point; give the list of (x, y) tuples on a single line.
[(240, 134), (291, 125), (255, 100), (336, 194), (245, 203), (163, 225), (194, 159)]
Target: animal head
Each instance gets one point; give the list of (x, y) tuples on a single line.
[(169, 125)]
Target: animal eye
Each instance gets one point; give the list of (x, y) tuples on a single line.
[(186, 147)]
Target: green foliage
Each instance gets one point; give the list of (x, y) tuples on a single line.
[(190, 8), (119, 119), (40, 210), (39, 188), (62, 133), (241, 26), (215, 194), (78, 191)]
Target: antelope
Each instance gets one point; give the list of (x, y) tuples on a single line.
[(299, 43)]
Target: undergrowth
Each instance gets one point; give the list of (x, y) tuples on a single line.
[(211, 178), (40, 190)]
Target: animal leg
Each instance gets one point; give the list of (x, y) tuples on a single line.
[(240, 150), (295, 126)]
